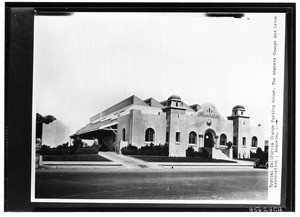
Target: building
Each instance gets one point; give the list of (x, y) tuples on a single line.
[(141, 122)]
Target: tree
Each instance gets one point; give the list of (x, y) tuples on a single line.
[(48, 119), (259, 152), (40, 120), (229, 144), (77, 142)]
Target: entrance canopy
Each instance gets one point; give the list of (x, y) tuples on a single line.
[(97, 126)]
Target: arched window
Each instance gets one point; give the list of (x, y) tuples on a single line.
[(192, 137), (254, 142), (149, 135), (223, 139), (123, 134)]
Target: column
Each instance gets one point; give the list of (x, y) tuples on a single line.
[(200, 143), (216, 141)]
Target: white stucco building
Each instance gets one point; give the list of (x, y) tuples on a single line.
[(141, 122)]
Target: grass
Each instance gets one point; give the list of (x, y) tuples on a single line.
[(250, 159), (74, 157), (178, 159)]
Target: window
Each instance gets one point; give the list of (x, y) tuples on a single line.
[(149, 135), (192, 137), (254, 142), (223, 139), (167, 136), (177, 136), (244, 141), (242, 113), (123, 134), (176, 104)]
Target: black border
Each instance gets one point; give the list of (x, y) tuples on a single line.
[(19, 25)]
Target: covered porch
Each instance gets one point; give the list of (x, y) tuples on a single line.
[(105, 134)]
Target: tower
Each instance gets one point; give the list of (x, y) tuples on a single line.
[(241, 132), (174, 109)]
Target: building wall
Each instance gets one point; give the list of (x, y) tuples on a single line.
[(138, 122), (141, 122), (124, 122), (136, 116), (187, 123), (258, 131), (243, 132)]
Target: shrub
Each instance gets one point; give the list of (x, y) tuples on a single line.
[(190, 152), (155, 150), (96, 144), (87, 150), (203, 153), (77, 142), (129, 150), (229, 144), (60, 150), (259, 153)]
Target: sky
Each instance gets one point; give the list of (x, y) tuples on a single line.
[(87, 62)]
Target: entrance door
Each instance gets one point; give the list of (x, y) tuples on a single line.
[(208, 140)]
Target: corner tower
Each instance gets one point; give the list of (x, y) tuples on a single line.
[(174, 110), (241, 132)]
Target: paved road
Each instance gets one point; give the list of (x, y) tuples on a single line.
[(168, 184)]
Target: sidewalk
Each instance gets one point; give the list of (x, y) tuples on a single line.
[(134, 163), (123, 162), (129, 162)]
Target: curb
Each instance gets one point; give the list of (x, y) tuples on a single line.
[(79, 164)]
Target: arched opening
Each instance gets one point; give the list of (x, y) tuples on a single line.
[(254, 142), (208, 139), (223, 139), (192, 137), (123, 135), (149, 135)]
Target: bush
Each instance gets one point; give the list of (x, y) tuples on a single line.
[(259, 153), (129, 150), (61, 150), (190, 152), (154, 150), (229, 144), (203, 153)]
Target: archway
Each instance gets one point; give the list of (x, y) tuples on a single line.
[(208, 139)]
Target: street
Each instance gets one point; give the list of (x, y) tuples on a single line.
[(225, 184)]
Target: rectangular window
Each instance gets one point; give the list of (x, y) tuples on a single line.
[(167, 137), (177, 136), (244, 141)]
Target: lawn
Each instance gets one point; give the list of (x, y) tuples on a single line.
[(250, 159), (178, 159), (74, 157)]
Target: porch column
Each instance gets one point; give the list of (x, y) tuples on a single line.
[(201, 144), (216, 141)]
